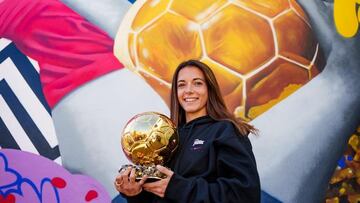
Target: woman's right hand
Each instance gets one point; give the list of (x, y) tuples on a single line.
[(125, 182)]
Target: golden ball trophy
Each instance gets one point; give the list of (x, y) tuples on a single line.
[(149, 139)]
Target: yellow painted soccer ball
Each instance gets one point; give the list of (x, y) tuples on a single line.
[(260, 51), (149, 139)]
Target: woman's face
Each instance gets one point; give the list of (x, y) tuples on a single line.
[(192, 92)]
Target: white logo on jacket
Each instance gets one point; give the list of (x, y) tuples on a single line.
[(198, 142)]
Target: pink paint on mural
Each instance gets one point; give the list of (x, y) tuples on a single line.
[(69, 49), (26, 177)]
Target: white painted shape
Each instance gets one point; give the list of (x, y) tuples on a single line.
[(29, 100), (3, 43), (15, 128)]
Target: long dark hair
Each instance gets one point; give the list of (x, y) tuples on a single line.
[(215, 105)]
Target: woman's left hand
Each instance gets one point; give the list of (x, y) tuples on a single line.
[(159, 187)]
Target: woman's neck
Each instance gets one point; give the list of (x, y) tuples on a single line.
[(191, 116)]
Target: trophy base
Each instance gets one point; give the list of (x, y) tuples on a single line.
[(141, 170)]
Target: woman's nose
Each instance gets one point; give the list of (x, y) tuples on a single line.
[(189, 89)]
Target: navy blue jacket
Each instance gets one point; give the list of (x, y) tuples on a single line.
[(213, 164)]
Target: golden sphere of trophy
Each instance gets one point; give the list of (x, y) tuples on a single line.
[(149, 139)]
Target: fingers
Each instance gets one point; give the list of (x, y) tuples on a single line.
[(143, 179), (158, 187), (156, 192), (125, 175), (151, 185), (156, 184), (126, 183), (164, 170), (132, 176), (121, 179), (118, 183), (118, 179)]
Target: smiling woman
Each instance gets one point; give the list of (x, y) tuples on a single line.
[(194, 86), (214, 161), (192, 92)]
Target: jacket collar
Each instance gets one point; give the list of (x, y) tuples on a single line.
[(197, 121)]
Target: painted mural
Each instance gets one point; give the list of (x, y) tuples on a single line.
[(26, 177), (255, 48), (288, 67)]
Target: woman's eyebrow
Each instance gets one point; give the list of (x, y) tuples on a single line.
[(199, 79), (192, 79)]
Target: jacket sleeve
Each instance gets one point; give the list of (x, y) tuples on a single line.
[(237, 177), (140, 198)]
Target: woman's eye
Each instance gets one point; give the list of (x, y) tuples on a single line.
[(181, 85), (198, 83)]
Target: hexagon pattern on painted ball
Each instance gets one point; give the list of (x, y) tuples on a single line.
[(260, 51)]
